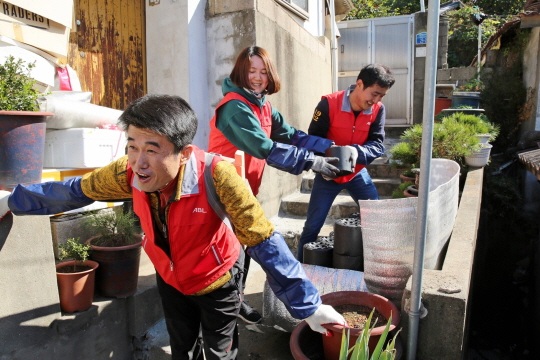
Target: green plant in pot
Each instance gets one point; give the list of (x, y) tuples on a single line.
[(451, 140), (360, 350), (76, 278), (22, 126), (116, 246)]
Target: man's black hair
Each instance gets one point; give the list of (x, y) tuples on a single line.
[(376, 74), (167, 115)]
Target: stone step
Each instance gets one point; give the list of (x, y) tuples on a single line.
[(385, 185), (296, 204), (158, 343)]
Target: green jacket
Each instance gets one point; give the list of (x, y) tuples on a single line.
[(238, 123)]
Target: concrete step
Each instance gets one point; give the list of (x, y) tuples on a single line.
[(296, 204), (158, 343), (385, 184)]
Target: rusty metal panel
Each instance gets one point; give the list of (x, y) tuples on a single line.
[(108, 51)]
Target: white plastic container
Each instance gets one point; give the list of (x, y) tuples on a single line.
[(479, 158), (83, 147)]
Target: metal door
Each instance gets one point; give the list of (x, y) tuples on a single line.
[(387, 41)]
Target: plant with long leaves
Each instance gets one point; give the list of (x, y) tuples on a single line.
[(360, 350)]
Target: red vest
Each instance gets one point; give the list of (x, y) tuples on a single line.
[(345, 129), (219, 144), (202, 247)]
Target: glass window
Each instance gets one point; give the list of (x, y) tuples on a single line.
[(298, 7)]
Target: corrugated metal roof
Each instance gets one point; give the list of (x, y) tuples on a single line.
[(531, 160)]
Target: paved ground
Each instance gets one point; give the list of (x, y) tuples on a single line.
[(260, 341)]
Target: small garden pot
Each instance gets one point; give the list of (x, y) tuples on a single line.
[(468, 98), (479, 158), (484, 138), (332, 344), (22, 140), (76, 290), (404, 178), (345, 163), (118, 272)]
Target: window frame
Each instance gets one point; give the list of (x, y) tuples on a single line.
[(295, 9)]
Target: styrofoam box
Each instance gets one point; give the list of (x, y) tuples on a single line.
[(83, 147)]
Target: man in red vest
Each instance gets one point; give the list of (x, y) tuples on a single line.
[(192, 244), (355, 118)]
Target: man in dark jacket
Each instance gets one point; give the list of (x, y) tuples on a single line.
[(355, 118)]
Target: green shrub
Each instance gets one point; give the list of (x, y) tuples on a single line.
[(114, 227), (16, 86), (74, 250), (398, 192), (451, 140)]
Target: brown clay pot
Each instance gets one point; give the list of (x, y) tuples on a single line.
[(118, 271), (76, 290), (332, 344), (407, 178)]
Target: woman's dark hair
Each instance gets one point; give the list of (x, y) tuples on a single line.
[(376, 74), (240, 73), (167, 115)]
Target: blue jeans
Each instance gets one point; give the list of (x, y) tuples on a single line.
[(324, 192)]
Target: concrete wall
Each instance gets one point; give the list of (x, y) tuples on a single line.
[(302, 61), (443, 332), (531, 78), (420, 25), (177, 61)]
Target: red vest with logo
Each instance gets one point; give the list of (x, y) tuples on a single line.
[(202, 246), (219, 144), (345, 129)]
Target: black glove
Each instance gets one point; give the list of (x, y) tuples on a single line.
[(322, 165)]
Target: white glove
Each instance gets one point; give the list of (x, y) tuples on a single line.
[(325, 314), (4, 209), (354, 155)]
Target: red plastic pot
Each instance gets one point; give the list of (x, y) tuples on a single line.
[(332, 344), (76, 290)]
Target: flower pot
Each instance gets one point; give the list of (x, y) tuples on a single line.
[(76, 290), (479, 158), (118, 271), (484, 138), (469, 98), (404, 178), (332, 344), (22, 140), (442, 103)]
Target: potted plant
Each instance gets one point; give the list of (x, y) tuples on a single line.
[(76, 277), (22, 126), (451, 140), (332, 345), (361, 351), (468, 94), (116, 246)]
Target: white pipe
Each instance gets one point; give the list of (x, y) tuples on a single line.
[(422, 7), (425, 175), (333, 46)]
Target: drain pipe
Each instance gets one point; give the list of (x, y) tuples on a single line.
[(422, 7), (333, 45), (425, 173)]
